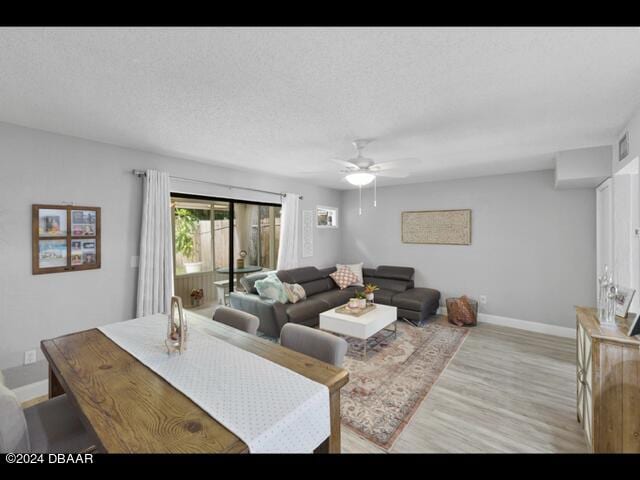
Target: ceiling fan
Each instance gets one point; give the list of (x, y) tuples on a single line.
[(360, 170)]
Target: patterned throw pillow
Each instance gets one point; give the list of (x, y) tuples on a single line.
[(294, 292), (271, 287), (357, 269), (344, 277)]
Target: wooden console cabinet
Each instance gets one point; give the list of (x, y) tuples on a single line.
[(608, 387)]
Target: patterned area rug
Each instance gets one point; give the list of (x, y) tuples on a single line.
[(385, 390)]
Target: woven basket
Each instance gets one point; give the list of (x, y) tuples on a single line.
[(462, 311)]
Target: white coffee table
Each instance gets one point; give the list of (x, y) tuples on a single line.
[(362, 327)]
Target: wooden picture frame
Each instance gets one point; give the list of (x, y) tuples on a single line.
[(64, 238), (623, 300), (634, 326), (436, 227)]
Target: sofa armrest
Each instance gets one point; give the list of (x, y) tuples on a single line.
[(270, 312)]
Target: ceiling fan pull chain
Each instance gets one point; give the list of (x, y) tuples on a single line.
[(360, 205), (375, 191)]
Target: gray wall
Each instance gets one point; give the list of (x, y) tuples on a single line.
[(583, 167), (532, 253), (39, 167)]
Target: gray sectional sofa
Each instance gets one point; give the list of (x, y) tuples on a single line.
[(395, 283)]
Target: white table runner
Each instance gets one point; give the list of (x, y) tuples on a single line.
[(271, 408)]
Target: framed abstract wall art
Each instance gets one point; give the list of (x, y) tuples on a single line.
[(440, 227), (65, 238)]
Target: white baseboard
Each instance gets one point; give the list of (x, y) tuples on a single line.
[(522, 324), (31, 391)]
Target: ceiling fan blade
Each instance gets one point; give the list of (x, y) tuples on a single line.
[(345, 163), (324, 172), (392, 163), (392, 174)]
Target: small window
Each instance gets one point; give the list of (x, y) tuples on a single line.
[(327, 217)]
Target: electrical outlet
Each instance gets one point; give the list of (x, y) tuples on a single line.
[(29, 357), (483, 299)]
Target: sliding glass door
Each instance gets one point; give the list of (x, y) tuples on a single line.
[(210, 256), (258, 234)]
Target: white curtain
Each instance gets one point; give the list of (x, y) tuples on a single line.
[(289, 232), (155, 276)]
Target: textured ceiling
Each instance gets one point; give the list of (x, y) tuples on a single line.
[(464, 101)]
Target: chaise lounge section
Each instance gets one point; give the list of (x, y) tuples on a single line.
[(397, 288), (395, 283)]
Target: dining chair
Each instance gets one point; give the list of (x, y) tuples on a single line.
[(237, 319), (47, 427), (315, 343)]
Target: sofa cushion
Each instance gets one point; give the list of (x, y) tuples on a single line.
[(397, 273), (306, 311), (249, 281), (383, 296), (389, 283), (325, 272), (317, 286), (418, 300), (335, 297), (300, 275), (369, 272)]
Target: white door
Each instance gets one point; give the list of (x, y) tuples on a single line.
[(604, 226), (626, 202)]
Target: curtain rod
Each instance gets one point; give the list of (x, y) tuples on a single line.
[(141, 173)]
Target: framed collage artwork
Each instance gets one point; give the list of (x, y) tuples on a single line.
[(65, 238)]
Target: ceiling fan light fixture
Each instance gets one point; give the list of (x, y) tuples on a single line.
[(359, 179)]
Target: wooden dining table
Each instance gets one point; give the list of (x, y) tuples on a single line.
[(127, 408)]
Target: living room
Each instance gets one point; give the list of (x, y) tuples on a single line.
[(264, 178)]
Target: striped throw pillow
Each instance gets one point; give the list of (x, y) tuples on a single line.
[(294, 292)]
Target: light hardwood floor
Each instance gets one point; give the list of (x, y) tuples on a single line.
[(506, 390)]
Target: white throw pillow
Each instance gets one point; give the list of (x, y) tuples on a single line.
[(357, 269)]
